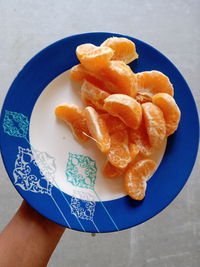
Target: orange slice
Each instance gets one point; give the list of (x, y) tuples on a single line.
[(124, 49), (134, 150), (119, 155), (150, 83), (79, 73), (113, 123), (155, 124), (72, 115), (170, 110), (124, 107), (92, 57), (94, 95), (136, 178), (121, 76), (110, 171), (117, 77), (141, 139), (89, 103), (97, 129)]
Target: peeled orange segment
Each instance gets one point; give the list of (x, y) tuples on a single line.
[(136, 178), (80, 130), (110, 171), (113, 123), (97, 129), (119, 155), (122, 77), (134, 150), (92, 57), (68, 113), (150, 83), (155, 124), (79, 73), (124, 107), (124, 49), (141, 139), (72, 115), (88, 103), (117, 77), (170, 111), (94, 95)]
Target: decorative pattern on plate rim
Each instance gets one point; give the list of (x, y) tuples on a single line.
[(81, 172), (16, 125)]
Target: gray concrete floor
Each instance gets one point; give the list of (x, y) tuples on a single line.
[(172, 238)]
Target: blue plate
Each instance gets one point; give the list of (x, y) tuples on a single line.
[(28, 167)]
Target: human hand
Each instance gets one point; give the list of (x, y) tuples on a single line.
[(29, 239)]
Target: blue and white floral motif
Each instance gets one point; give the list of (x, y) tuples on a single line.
[(46, 164), (24, 173), (15, 124), (83, 209), (81, 171)]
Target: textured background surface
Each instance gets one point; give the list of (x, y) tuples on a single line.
[(173, 237)]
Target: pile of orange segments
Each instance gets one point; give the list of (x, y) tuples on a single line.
[(127, 114)]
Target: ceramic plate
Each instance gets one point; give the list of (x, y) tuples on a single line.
[(61, 178)]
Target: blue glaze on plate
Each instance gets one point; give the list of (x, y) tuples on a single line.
[(165, 184)]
